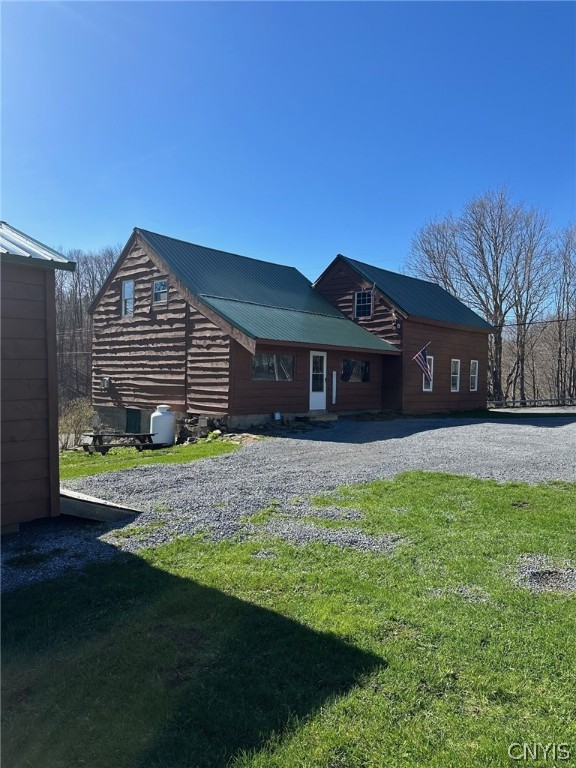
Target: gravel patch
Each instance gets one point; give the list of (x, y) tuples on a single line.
[(264, 554), (214, 496), (301, 534), (539, 573)]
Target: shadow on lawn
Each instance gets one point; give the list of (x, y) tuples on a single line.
[(157, 670)]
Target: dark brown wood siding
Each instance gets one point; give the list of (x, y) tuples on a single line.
[(445, 344), (144, 355), (354, 395), (29, 395), (339, 285), (260, 397)]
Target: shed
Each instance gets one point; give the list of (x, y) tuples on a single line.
[(30, 481)]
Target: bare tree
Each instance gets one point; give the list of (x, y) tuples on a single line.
[(564, 296), (531, 287), (494, 258), (75, 292)]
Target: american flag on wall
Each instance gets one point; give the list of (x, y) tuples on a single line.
[(421, 359)]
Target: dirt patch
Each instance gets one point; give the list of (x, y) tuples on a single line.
[(470, 593), (540, 573)]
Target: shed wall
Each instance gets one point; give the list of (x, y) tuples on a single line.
[(29, 395)]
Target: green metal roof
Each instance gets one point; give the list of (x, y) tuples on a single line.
[(206, 271), (264, 300), (419, 297), (261, 322)]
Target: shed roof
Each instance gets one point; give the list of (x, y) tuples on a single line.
[(263, 300), (419, 298), (19, 248)]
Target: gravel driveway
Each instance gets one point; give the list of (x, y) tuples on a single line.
[(214, 495)]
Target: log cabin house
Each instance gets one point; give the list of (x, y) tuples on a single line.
[(217, 334), (30, 479)]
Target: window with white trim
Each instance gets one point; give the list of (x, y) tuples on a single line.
[(127, 298), (160, 291), (427, 385), (473, 375), (363, 304), (454, 375)]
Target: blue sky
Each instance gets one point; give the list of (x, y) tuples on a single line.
[(286, 131)]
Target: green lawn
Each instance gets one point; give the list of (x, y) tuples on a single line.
[(81, 464), (201, 654)]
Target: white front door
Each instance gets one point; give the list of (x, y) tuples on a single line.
[(318, 381)]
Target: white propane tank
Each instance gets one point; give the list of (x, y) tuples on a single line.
[(163, 425)]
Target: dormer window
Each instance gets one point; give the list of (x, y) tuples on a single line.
[(160, 292), (363, 304)]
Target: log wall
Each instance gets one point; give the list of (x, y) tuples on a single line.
[(145, 354), (29, 395), (167, 353), (207, 366)]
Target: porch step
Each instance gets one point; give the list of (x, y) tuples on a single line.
[(322, 416)]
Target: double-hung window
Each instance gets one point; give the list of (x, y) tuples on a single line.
[(427, 385), (160, 291), (363, 304), (127, 298), (454, 375), (473, 375)]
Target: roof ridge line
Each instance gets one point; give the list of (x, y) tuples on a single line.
[(390, 271), (272, 306), (219, 250)]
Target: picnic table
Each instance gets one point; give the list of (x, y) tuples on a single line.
[(101, 442)]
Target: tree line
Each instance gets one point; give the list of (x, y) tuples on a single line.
[(75, 291), (498, 256), (503, 260)]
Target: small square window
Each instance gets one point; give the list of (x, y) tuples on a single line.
[(127, 298), (363, 304), (160, 292), (455, 376)]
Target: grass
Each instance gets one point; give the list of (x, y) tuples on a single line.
[(81, 464), (199, 654)]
